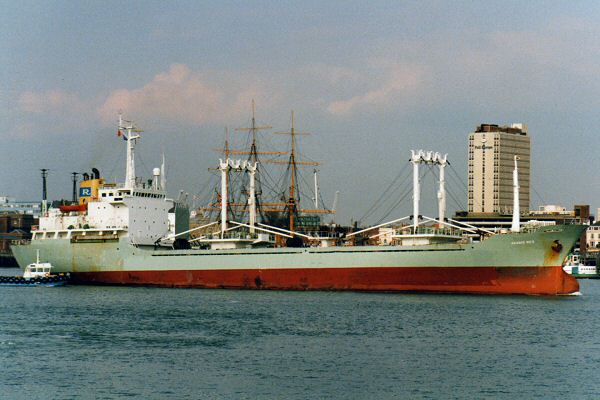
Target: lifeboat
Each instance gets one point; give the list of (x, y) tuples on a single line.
[(74, 207)]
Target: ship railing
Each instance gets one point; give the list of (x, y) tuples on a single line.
[(242, 232), (239, 235), (530, 228), (444, 231), (20, 241), (428, 230), (319, 235), (226, 235)]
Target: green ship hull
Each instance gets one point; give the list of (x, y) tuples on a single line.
[(514, 263)]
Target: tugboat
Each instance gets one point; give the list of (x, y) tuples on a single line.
[(36, 274), (575, 266)]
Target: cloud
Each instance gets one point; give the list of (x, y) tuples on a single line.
[(51, 112), (402, 81), (186, 96), (23, 130), (52, 101), (331, 75)]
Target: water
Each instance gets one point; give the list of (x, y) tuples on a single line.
[(87, 342)]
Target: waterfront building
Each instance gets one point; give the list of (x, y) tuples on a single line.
[(593, 239), (16, 220), (11, 205), (14, 228), (492, 149)]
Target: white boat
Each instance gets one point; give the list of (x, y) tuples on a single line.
[(37, 270), (36, 274), (575, 267)]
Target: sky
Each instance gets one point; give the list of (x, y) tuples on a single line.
[(369, 80)]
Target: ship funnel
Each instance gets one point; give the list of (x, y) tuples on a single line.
[(95, 173), (86, 176)]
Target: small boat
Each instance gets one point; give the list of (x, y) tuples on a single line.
[(36, 274), (577, 268)]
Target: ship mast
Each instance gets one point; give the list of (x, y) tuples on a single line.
[(254, 206), (224, 167), (316, 189), (226, 151), (429, 158), (291, 203), (163, 176), (253, 129), (254, 153), (516, 217), (251, 170), (225, 172), (131, 138), (292, 163), (292, 198), (442, 162)]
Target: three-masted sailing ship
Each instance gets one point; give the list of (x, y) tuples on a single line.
[(250, 192)]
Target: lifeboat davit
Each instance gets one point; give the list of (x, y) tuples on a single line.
[(74, 207)]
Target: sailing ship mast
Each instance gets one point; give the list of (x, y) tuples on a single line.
[(253, 129), (289, 206), (253, 154), (291, 203), (292, 198)]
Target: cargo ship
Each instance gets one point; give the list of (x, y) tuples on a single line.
[(131, 234)]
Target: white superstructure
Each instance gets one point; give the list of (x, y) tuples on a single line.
[(137, 209)]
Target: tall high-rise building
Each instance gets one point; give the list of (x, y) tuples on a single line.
[(492, 149)]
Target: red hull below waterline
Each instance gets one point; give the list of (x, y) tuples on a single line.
[(480, 280)]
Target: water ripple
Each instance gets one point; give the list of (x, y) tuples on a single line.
[(152, 343)]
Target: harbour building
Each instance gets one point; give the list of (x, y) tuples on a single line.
[(492, 151), (10, 205)]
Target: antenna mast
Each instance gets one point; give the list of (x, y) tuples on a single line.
[(74, 178), (44, 190)]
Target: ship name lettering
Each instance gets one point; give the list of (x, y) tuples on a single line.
[(523, 242)]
